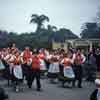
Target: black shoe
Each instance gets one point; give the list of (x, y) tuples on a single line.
[(17, 90), (38, 89), (63, 86), (29, 87), (79, 86), (73, 86)]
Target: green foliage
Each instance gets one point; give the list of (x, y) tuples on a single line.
[(90, 30), (39, 21), (34, 40), (42, 38), (63, 34)]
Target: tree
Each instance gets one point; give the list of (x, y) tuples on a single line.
[(51, 28), (3, 38), (62, 34), (97, 18), (39, 21), (90, 30)]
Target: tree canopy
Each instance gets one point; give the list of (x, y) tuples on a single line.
[(35, 40), (90, 30), (42, 37), (39, 21)]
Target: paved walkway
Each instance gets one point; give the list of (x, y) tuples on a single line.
[(51, 92)]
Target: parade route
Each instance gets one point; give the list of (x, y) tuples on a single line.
[(51, 92)]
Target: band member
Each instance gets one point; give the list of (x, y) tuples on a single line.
[(5, 60), (35, 71), (91, 68), (26, 59), (43, 68), (98, 59), (68, 74), (11, 62), (17, 72), (54, 70), (78, 59), (48, 56)]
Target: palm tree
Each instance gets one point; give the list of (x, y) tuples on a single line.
[(39, 21)]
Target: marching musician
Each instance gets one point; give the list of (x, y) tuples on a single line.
[(35, 71), (17, 72), (42, 58), (54, 70), (78, 60), (68, 74), (26, 59)]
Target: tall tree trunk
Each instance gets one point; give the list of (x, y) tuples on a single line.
[(38, 29)]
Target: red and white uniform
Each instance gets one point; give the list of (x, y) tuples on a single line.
[(26, 57), (78, 59), (68, 71), (66, 62), (17, 70), (54, 66), (42, 62), (11, 62)]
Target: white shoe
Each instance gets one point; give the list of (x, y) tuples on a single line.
[(17, 90)]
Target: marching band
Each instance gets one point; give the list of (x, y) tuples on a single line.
[(28, 65)]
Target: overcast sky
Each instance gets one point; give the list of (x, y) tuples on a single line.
[(71, 14)]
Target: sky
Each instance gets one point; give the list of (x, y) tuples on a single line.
[(71, 14)]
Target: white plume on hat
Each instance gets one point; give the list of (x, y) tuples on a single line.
[(97, 81)]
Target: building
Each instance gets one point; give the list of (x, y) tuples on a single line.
[(77, 43)]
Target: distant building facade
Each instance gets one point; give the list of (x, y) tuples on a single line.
[(77, 43)]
